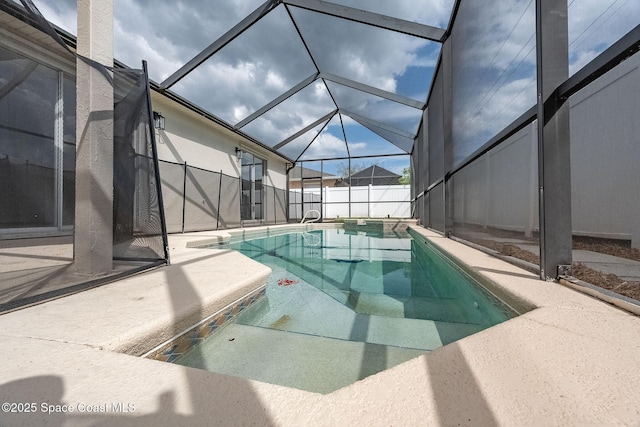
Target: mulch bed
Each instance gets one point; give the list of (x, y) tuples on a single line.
[(612, 282), (619, 248), (606, 281)]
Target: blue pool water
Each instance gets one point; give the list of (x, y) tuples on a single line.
[(340, 307)]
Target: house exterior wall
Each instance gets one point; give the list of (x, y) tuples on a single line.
[(192, 138), (187, 137)]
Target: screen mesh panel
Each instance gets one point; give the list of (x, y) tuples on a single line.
[(137, 220)]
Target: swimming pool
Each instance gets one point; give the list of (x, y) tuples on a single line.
[(341, 306)]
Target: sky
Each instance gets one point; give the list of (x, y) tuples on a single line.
[(269, 59), (496, 80), (494, 66)]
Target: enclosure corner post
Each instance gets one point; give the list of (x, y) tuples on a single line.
[(554, 154), (93, 233)]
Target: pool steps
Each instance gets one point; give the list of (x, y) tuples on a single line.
[(226, 237), (316, 364)]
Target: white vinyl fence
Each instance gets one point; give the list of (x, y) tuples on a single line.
[(500, 190), (372, 201)]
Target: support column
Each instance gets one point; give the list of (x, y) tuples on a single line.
[(447, 135), (533, 181), (93, 235), (554, 152), (635, 222), (489, 194)]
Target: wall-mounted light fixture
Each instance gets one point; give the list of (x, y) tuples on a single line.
[(239, 153), (158, 120)]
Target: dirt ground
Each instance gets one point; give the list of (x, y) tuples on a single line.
[(619, 248)]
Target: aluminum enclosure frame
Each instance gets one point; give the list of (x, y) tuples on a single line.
[(554, 152), (554, 156), (331, 9), (554, 89)]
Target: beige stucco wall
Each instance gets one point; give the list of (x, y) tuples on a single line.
[(192, 138)]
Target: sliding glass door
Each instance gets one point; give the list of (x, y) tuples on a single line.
[(251, 206), (37, 146)]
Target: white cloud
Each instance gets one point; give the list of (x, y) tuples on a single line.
[(582, 58), (326, 146), (480, 125), (429, 12), (595, 25), (60, 12), (493, 65), (370, 106), (356, 51), (158, 63), (494, 59), (292, 115), (254, 68)]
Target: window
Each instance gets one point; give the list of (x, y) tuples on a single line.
[(251, 204), (37, 145)]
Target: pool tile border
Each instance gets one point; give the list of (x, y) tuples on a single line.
[(172, 349)]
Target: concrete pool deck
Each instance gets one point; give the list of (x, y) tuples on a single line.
[(571, 360)]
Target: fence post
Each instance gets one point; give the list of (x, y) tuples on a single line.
[(184, 195), (219, 195), (533, 183), (240, 195), (324, 198), (349, 169), (487, 200), (369, 201)]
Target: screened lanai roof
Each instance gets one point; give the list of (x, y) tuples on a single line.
[(313, 79), (318, 80), (310, 79)]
